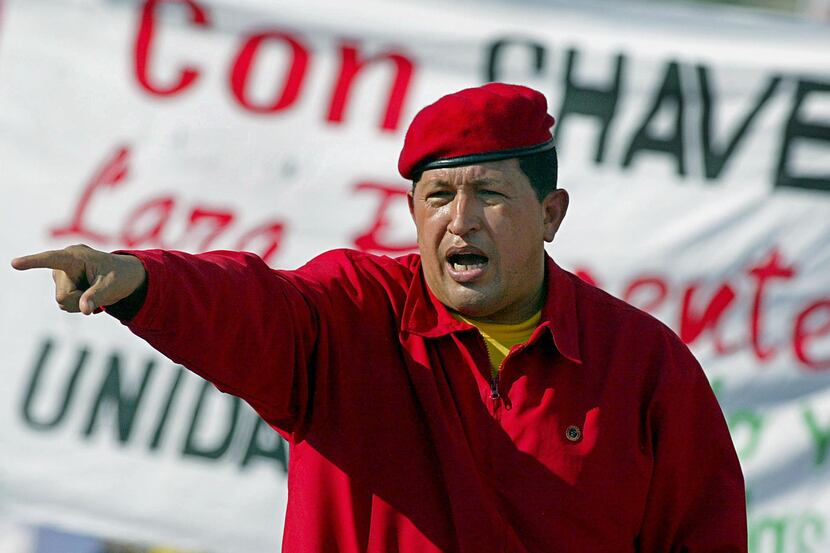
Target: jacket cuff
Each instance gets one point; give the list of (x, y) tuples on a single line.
[(141, 309)]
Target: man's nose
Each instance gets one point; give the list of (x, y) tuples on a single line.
[(465, 217)]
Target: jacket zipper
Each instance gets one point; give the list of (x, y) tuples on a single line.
[(495, 395), (494, 378), (494, 386)]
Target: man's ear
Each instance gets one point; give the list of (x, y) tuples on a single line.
[(554, 207)]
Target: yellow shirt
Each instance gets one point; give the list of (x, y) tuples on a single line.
[(499, 338)]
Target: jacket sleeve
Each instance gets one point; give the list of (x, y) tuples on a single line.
[(696, 500), (234, 321)]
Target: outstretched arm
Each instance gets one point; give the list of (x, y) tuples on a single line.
[(226, 316)]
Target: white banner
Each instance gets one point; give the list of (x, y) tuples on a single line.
[(695, 147)]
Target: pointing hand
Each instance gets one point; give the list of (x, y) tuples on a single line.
[(86, 279)]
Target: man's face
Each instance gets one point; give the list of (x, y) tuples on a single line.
[(481, 234)]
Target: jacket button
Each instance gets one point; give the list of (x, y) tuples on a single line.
[(573, 433)]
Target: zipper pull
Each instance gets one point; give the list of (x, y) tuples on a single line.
[(494, 387)]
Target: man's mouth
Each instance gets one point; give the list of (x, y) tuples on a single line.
[(467, 261), (466, 265)]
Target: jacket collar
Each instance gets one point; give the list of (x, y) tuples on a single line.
[(425, 316)]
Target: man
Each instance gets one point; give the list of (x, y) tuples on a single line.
[(472, 398)]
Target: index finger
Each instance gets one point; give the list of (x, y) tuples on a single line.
[(52, 259)]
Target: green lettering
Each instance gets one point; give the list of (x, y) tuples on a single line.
[(597, 102), (645, 139), (820, 436), (492, 70), (753, 423), (217, 450), (809, 524), (713, 160), (267, 444), (768, 535), (172, 395), (717, 386), (68, 394), (112, 394), (797, 129)]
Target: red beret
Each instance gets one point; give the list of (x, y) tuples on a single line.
[(486, 123)]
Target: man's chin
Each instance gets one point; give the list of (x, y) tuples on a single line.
[(469, 302)]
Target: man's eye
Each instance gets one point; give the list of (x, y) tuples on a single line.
[(439, 195), (492, 194)]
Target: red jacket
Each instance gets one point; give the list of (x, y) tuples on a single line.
[(605, 436)]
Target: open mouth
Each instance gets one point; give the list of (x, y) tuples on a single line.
[(466, 264), (467, 261)]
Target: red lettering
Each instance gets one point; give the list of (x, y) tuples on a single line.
[(763, 273), (702, 312), (372, 239), (803, 333), (144, 38), (157, 213), (110, 174), (289, 85), (586, 275), (153, 220), (693, 323), (351, 65), (293, 81), (215, 222), (659, 291), (270, 234)]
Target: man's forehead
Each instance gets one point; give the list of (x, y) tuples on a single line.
[(501, 171)]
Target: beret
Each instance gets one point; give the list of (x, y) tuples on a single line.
[(485, 123)]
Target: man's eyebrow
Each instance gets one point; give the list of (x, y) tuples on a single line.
[(476, 181), (437, 183)]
